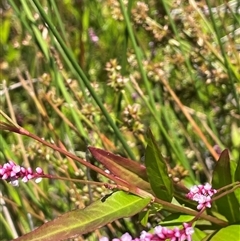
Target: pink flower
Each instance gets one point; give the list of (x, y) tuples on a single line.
[(160, 234), (146, 236), (202, 194), (11, 172)]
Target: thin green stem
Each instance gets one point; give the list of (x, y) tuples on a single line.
[(137, 52), (79, 71), (226, 61), (176, 34), (59, 19)]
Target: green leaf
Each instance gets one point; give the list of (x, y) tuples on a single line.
[(143, 217), (176, 219), (81, 221), (198, 235), (230, 233), (227, 205), (157, 171), (237, 179), (237, 172)]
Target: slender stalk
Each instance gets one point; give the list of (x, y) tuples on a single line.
[(226, 60), (137, 52), (79, 71)]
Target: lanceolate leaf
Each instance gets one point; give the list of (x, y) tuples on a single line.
[(227, 205), (157, 170), (237, 179), (228, 233), (117, 167), (237, 172), (128, 164), (81, 221)]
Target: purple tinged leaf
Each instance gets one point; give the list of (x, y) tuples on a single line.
[(128, 164), (118, 167), (228, 205)]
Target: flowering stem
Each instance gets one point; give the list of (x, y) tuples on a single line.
[(73, 180), (121, 184), (226, 192), (228, 186), (175, 208)]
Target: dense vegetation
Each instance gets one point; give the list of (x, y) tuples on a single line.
[(100, 73)]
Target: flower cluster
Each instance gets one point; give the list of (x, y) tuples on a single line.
[(202, 194), (160, 234), (11, 172)]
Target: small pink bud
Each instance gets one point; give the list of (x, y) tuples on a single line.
[(29, 176), (39, 170), (2, 171), (11, 163), (5, 176), (12, 174), (16, 169), (25, 179)]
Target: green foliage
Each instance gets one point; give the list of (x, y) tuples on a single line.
[(231, 232), (157, 171), (100, 213), (100, 73), (227, 205)]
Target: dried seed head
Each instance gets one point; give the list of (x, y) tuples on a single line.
[(140, 12), (115, 79)]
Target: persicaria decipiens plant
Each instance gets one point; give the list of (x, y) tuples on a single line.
[(199, 193), (202, 194)]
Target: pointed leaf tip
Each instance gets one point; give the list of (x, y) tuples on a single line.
[(157, 171)]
